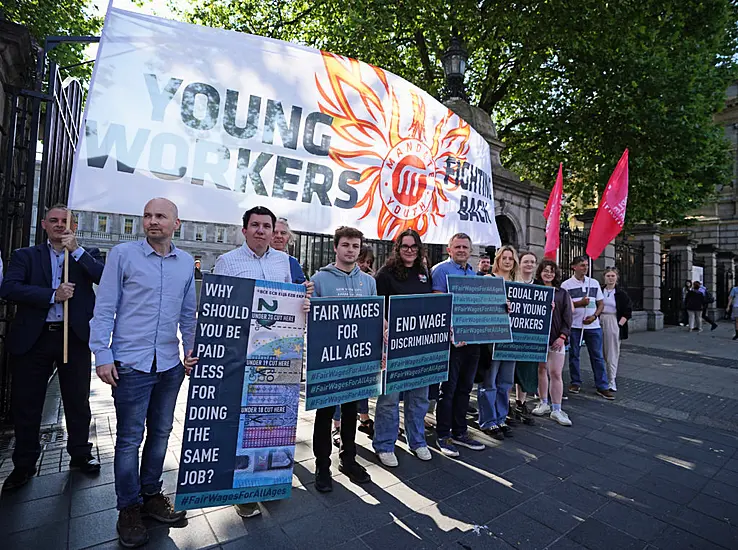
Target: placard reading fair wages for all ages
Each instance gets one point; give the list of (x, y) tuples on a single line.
[(419, 341), (479, 312), (344, 350), (530, 319), (239, 434)]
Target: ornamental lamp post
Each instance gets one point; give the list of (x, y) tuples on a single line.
[(454, 66)]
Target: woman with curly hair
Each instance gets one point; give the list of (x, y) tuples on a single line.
[(404, 273)]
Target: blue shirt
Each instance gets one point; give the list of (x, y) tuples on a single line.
[(298, 277), (449, 267), (142, 300), (56, 311)]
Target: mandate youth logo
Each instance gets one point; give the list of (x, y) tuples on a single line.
[(411, 173)]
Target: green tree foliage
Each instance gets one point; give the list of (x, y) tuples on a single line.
[(571, 81), (56, 18)]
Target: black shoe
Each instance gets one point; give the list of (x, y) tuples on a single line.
[(471, 411), (87, 464), (521, 410), (507, 430), (714, 326), (336, 435), (495, 433), (131, 530), (736, 336), (323, 480), (355, 472), (18, 478), (367, 427)]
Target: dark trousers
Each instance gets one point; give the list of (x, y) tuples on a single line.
[(704, 315), (453, 400), (31, 373), (322, 443)]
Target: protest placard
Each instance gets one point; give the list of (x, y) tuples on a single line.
[(530, 320), (479, 313), (243, 397), (419, 341), (344, 350)]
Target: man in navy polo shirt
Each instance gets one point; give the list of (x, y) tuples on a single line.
[(453, 399)]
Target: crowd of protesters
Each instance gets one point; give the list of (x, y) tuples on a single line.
[(144, 310)]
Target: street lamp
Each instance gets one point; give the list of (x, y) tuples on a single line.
[(454, 66)]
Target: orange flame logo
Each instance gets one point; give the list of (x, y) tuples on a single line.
[(408, 173)]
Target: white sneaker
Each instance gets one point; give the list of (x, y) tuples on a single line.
[(423, 453), (248, 510), (388, 459), (561, 417), (541, 409)]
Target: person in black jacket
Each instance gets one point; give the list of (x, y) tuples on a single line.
[(34, 283), (618, 309), (694, 302)]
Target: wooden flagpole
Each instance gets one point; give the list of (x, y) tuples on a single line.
[(66, 302)]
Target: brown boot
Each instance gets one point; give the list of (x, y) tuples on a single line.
[(131, 530), (160, 508)]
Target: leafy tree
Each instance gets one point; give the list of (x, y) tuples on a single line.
[(57, 18), (564, 81)]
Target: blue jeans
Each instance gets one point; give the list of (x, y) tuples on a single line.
[(493, 393), (387, 419), (593, 341), (362, 405), (143, 399), (453, 399)]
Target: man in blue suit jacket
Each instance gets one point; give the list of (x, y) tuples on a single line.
[(34, 282)]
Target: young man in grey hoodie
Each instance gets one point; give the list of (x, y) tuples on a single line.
[(342, 278)]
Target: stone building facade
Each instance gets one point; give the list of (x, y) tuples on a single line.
[(710, 239)]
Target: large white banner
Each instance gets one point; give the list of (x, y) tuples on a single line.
[(220, 121)]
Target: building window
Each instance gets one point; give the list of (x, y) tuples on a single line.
[(199, 233), (178, 232), (128, 226), (220, 235), (103, 255), (102, 223)]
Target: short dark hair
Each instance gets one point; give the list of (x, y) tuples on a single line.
[(259, 211), (557, 272), (578, 260), (459, 236), (484, 257), (347, 233)]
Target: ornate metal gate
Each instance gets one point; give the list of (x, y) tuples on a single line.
[(671, 288)]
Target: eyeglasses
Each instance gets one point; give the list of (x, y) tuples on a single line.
[(411, 248)]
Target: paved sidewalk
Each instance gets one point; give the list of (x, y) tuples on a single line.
[(622, 477)]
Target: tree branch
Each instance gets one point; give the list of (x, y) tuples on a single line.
[(424, 58), (510, 125)]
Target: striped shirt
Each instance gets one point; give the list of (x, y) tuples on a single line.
[(243, 262), (578, 290)]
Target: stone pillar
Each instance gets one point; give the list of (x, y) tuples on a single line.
[(650, 237), (707, 254), (607, 258), (536, 223)]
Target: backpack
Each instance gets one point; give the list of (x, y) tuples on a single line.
[(709, 298)]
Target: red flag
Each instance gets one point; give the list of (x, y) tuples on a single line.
[(552, 213), (610, 215)]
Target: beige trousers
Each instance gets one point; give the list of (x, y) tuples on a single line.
[(611, 345)]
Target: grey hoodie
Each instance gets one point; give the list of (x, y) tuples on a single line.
[(331, 281)]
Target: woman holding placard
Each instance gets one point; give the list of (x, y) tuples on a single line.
[(549, 274), (526, 372), (493, 394), (404, 273)]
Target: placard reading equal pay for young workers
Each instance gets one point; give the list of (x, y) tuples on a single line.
[(344, 350), (238, 443)]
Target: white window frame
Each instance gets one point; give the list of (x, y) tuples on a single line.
[(204, 233), (97, 223)]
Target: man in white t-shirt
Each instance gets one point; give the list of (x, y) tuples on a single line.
[(587, 296)]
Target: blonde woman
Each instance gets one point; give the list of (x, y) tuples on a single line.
[(493, 393), (614, 319)]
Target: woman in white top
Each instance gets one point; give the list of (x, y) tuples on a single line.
[(614, 320)]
